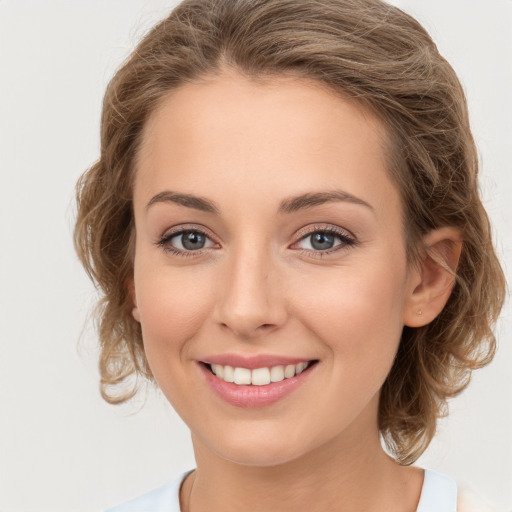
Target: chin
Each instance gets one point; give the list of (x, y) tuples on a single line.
[(259, 458), (259, 449)]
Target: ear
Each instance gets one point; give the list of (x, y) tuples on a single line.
[(431, 280), (130, 286)]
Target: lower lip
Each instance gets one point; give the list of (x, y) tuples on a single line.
[(254, 396)]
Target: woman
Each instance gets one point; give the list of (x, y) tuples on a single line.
[(286, 226)]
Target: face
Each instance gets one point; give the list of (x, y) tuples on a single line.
[(268, 234)]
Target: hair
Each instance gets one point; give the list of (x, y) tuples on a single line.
[(367, 51)]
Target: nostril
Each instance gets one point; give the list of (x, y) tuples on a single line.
[(245, 330)]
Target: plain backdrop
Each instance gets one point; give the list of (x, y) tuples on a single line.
[(61, 448)]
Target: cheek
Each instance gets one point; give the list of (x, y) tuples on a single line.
[(357, 312), (171, 308)]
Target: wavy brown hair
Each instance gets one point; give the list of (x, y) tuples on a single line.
[(366, 50)]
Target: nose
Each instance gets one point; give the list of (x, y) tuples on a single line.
[(251, 296)]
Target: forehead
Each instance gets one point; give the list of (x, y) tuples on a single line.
[(290, 132), (235, 102)]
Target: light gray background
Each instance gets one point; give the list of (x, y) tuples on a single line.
[(61, 447)]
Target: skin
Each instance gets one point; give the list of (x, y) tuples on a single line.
[(258, 286)]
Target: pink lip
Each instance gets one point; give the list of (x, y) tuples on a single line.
[(253, 396), (252, 362)]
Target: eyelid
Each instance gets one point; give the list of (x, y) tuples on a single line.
[(348, 239), (175, 230), (327, 228), (164, 239)]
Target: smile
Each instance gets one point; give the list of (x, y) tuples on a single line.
[(258, 386), (258, 376)]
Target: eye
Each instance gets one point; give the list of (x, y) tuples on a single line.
[(325, 240), (186, 241), (189, 240)]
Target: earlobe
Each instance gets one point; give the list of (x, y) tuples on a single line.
[(432, 279), (131, 292)]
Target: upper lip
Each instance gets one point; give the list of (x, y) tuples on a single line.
[(252, 362)]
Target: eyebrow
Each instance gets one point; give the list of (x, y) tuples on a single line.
[(287, 206), (312, 199), (188, 200)]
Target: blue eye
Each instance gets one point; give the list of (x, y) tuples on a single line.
[(189, 240), (322, 241), (185, 241), (325, 240)]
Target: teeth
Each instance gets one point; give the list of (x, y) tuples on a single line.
[(218, 369), (300, 368), (289, 371), (277, 373), (258, 376), (242, 376), (229, 374)]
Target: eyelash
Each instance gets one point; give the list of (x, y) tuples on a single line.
[(347, 240), (166, 238)]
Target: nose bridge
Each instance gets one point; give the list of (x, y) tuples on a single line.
[(251, 303)]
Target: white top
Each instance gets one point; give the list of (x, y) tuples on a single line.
[(438, 494)]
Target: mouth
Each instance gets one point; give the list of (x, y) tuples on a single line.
[(263, 376), (255, 387)]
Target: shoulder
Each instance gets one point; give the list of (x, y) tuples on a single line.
[(470, 501), (440, 493), (165, 498)]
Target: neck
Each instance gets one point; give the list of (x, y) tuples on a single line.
[(350, 473)]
